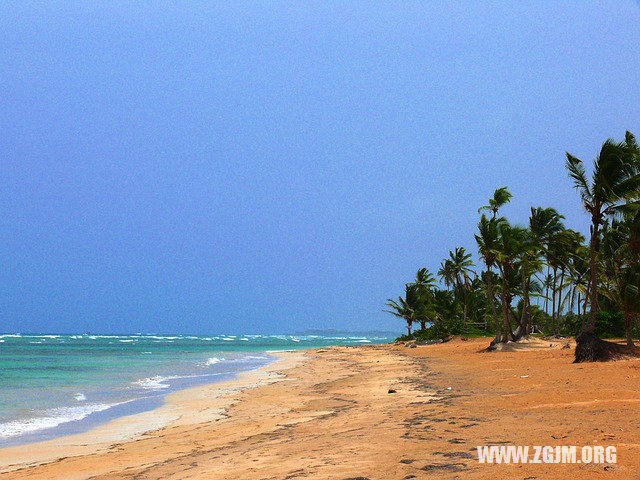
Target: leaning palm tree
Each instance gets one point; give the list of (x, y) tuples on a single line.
[(501, 197), (615, 182)]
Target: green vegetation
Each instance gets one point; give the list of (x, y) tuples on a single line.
[(543, 277)]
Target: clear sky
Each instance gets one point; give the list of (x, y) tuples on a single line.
[(261, 167)]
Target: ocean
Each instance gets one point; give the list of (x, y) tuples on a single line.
[(53, 385)]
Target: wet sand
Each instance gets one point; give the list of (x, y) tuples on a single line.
[(327, 414)]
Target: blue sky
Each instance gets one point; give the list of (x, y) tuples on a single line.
[(260, 167)]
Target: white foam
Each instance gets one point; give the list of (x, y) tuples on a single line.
[(51, 418), (213, 361), (80, 397), (127, 341), (152, 383)]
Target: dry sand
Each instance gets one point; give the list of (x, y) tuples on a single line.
[(327, 414)]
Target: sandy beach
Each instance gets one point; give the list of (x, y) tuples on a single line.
[(328, 414)]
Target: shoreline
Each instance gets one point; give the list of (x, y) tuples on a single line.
[(129, 427), (374, 412)]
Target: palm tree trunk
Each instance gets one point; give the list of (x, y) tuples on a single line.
[(464, 305), (589, 325), (557, 332), (627, 325), (546, 296), (409, 327), (505, 312), (525, 307), (493, 305), (553, 303)]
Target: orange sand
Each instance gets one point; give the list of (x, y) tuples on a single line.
[(327, 415)]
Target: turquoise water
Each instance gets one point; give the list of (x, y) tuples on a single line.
[(52, 385)]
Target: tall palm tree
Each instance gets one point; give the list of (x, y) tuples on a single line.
[(456, 270), (508, 248), (622, 270), (501, 197), (544, 225), (487, 240), (529, 264), (615, 179), (425, 283), (571, 242)]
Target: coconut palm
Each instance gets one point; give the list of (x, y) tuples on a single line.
[(411, 308), (487, 240), (529, 263), (501, 197), (615, 180), (456, 271), (425, 283), (507, 250)]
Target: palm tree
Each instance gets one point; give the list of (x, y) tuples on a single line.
[(501, 197), (425, 283), (529, 264), (578, 276), (615, 179), (622, 280), (571, 242), (487, 240), (508, 248), (425, 279), (411, 308), (545, 224), (456, 271)]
